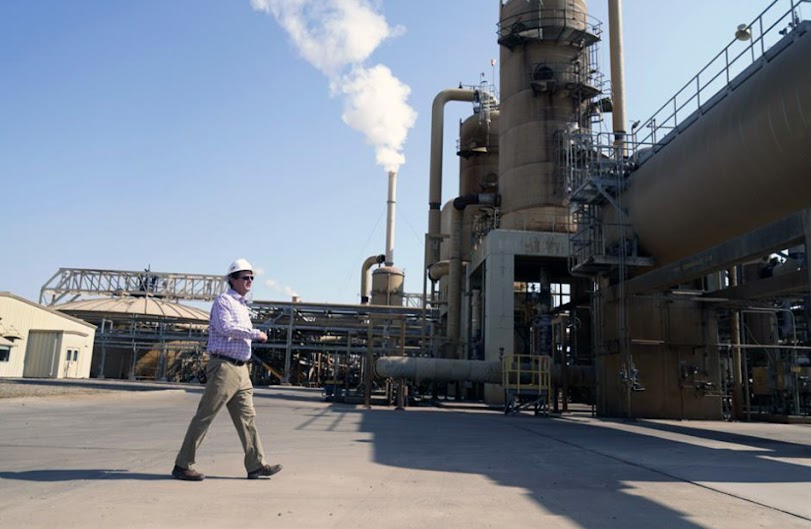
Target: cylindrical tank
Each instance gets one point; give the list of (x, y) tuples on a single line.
[(387, 286), (742, 164), (478, 165), (543, 54), (478, 151)]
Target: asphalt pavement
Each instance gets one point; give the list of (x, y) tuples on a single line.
[(104, 460)]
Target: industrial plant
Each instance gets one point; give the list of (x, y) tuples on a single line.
[(657, 269)]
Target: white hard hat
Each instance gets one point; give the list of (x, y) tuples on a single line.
[(239, 265)]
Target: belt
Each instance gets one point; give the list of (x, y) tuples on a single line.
[(228, 359)]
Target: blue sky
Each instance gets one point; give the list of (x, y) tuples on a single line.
[(182, 134)]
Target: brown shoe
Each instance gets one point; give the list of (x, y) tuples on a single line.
[(267, 470), (187, 474)]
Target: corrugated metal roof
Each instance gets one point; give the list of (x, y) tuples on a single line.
[(136, 305)]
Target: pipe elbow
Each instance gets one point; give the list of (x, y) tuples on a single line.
[(485, 199)]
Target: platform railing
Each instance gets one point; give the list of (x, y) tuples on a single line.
[(746, 48)]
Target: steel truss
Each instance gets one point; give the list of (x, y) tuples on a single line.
[(72, 283)]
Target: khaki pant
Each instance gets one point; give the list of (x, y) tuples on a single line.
[(227, 385)]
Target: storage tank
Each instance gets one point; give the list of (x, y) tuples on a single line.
[(743, 162), (387, 286), (478, 166), (545, 68)]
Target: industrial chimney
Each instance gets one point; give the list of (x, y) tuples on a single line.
[(387, 281)]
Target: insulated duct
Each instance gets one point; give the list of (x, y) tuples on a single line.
[(365, 276), (435, 184), (455, 276), (739, 163), (438, 270), (438, 369), (422, 369)]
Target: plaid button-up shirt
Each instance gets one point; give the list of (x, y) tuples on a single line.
[(230, 330)]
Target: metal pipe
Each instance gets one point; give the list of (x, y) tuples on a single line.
[(437, 135), (439, 369), (438, 270), (455, 276), (750, 142), (763, 346), (365, 277), (735, 331), (450, 370), (288, 352), (455, 283), (617, 70), (390, 204)]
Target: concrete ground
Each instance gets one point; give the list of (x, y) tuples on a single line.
[(103, 460)]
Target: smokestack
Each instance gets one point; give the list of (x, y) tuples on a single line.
[(617, 71), (390, 218)]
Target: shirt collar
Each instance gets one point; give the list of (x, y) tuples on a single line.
[(234, 294)]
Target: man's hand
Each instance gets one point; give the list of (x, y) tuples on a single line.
[(263, 337)]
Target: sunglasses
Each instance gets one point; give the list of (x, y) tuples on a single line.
[(246, 278)]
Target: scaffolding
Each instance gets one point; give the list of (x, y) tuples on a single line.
[(299, 332), (595, 177), (604, 246)]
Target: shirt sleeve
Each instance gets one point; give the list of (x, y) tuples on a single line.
[(224, 321)]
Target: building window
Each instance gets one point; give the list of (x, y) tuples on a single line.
[(5, 354), (561, 294)]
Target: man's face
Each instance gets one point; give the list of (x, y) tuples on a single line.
[(243, 283)]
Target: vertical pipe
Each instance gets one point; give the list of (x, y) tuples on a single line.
[(564, 365), (735, 332), (390, 204), (288, 353), (807, 229), (370, 367), (475, 316), (364, 276), (103, 337), (455, 283), (617, 70), (134, 361), (402, 385), (437, 134)]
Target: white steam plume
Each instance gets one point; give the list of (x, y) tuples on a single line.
[(337, 37), (278, 287)]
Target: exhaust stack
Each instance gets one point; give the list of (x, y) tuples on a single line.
[(392, 201)]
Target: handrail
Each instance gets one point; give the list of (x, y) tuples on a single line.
[(788, 21), (541, 18)]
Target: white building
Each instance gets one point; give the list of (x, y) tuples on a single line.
[(40, 342)]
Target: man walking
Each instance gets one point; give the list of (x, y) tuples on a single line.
[(230, 333)]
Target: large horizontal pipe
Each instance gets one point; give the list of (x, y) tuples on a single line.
[(449, 370), (438, 369), (742, 164)]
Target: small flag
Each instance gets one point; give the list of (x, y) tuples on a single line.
[(492, 62)]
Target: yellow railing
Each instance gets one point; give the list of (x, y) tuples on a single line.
[(526, 373)]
